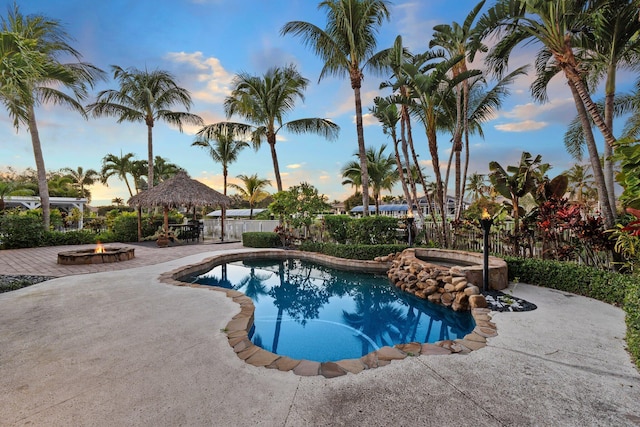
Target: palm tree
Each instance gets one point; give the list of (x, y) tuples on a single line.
[(61, 185), (81, 177), (581, 180), (614, 44), (32, 74), (388, 115), (113, 165), (460, 41), (382, 172), (139, 169), (163, 169), (477, 186), (117, 201), (264, 102), (558, 26), (225, 150), (12, 188), (145, 96), (347, 46), (252, 189)]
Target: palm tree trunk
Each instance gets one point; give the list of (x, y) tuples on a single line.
[(150, 159), (271, 139), (465, 128), (43, 188), (610, 89), (575, 79), (223, 210), (594, 158), (362, 152)]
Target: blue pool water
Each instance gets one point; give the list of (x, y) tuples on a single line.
[(307, 311)]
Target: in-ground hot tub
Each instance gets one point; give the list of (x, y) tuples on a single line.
[(99, 255)]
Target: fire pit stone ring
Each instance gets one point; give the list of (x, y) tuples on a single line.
[(100, 255)]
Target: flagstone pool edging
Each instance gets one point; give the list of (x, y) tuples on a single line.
[(238, 328)]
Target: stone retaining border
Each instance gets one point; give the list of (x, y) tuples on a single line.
[(238, 328)]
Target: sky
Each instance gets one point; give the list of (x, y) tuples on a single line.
[(204, 43)]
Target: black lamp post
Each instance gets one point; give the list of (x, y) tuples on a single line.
[(410, 227), (485, 222)]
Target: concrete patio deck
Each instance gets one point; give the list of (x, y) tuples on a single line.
[(110, 345)]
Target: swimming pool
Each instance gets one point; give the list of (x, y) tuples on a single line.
[(309, 311)]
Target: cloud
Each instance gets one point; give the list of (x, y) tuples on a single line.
[(523, 126), (295, 166), (211, 80)]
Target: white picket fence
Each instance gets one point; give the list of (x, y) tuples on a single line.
[(233, 228)]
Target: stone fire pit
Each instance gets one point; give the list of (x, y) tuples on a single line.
[(90, 256)]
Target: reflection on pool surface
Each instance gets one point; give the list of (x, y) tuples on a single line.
[(307, 311)]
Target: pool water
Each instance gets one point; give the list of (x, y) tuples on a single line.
[(307, 311)]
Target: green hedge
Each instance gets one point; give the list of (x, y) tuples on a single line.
[(610, 287), (74, 237), (21, 231), (361, 252), (261, 239), (632, 308)]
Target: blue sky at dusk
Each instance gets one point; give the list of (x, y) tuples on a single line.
[(204, 43)]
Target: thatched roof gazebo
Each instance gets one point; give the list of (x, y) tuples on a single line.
[(179, 190)]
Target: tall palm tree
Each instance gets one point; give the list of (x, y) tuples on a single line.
[(223, 146), (119, 166), (558, 26), (252, 189), (347, 46), (145, 96), (460, 41), (81, 177), (388, 115), (32, 74), (224, 149), (264, 101), (612, 43)]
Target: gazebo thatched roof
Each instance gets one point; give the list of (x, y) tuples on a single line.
[(179, 191)]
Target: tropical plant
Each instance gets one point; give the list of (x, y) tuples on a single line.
[(12, 188), (558, 27), (119, 166), (264, 101), (299, 206), (383, 173), (581, 180), (514, 183), (223, 147), (81, 178), (460, 41), (347, 46), (31, 74), (145, 96), (163, 169), (477, 186), (252, 189)]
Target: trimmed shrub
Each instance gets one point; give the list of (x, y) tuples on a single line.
[(372, 230), (632, 309), (21, 231), (361, 252), (261, 239), (570, 277), (125, 227), (338, 227), (106, 237), (74, 237)]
